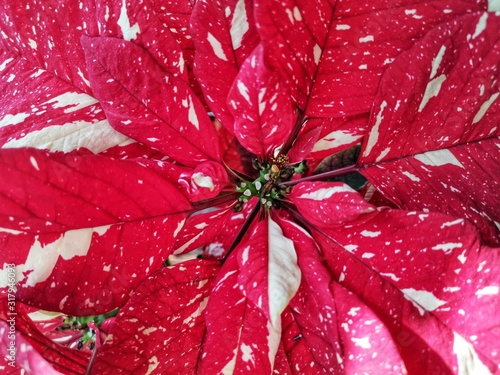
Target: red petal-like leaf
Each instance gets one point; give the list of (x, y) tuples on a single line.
[(200, 229), (143, 101), (176, 16), (29, 30), (318, 43), (239, 338), (140, 24), (74, 217), (310, 333), (368, 346), (221, 47), (318, 202), (269, 274), (261, 107), (434, 135), (161, 327), (430, 270), (40, 189)]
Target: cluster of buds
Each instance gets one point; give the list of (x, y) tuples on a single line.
[(267, 186)]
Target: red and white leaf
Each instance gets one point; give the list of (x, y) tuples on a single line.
[(269, 274), (87, 271), (445, 272), (222, 46), (434, 136), (176, 17), (40, 189), (261, 107), (310, 334), (239, 338), (315, 44), (29, 31), (75, 216), (135, 22), (327, 204), (200, 229), (46, 101), (155, 108), (161, 327), (368, 346), (336, 135)]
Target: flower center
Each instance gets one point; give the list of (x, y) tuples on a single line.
[(267, 186)]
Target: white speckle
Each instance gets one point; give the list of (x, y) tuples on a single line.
[(467, 359), (374, 133), (153, 364), (438, 158), (317, 53), (437, 61), (451, 223), (350, 248), (424, 298), (325, 193), (247, 353), (106, 268), (153, 139), (484, 107), (192, 117), (481, 25), (74, 100), (244, 255), (14, 119), (179, 227), (363, 342), (367, 233), (410, 11), (335, 139), (95, 137), (217, 47), (239, 24), (363, 67), (296, 14), (411, 176), (367, 255), (243, 90), (368, 38), (353, 311), (11, 231), (34, 163), (5, 63), (32, 43), (391, 276), (129, 32), (147, 331), (432, 90), (447, 247), (342, 27), (451, 289), (488, 291)]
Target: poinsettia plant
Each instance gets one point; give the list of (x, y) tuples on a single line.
[(332, 166)]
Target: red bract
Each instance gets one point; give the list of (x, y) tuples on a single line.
[(301, 274)]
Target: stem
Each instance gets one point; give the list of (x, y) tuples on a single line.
[(243, 230), (323, 176)]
